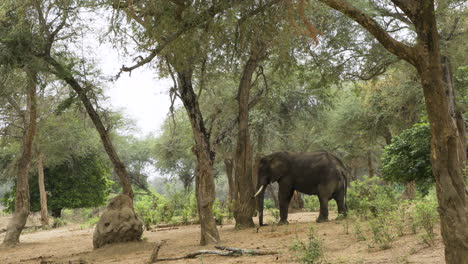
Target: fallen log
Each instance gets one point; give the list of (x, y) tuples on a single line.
[(223, 251)]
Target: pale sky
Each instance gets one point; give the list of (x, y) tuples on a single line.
[(142, 96)]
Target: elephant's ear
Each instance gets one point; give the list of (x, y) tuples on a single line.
[(278, 169)]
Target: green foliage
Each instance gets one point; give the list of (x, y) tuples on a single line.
[(83, 182), (268, 203), (275, 213), (309, 251), (173, 149), (408, 157), (382, 229), (358, 230), (92, 221), (177, 207), (146, 208), (59, 222), (371, 196), (311, 203), (425, 216)]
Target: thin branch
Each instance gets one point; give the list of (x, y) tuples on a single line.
[(398, 48), (198, 20)]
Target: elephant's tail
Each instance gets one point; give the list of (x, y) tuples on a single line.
[(345, 185)]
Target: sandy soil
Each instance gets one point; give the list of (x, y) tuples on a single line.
[(71, 244)]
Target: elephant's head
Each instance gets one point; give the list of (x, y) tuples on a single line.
[(270, 169)]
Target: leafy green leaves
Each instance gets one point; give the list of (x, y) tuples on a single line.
[(408, 157)]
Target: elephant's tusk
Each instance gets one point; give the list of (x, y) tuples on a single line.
[(259, 190)]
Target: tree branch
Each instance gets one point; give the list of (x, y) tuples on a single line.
[(188, 25), (398, 48)]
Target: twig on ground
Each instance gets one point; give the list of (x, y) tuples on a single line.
[(224, 251)]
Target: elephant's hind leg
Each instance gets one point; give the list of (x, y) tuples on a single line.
[(340, 202), (323, 216)]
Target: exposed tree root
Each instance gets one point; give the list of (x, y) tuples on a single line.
[(223, 251)]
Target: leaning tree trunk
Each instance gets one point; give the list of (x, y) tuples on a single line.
[(205, 187), (42, 190), (244, 188), (18, 221), (119, 221)]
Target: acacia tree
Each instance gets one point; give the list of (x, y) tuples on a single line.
[(50, 23), (447, 158), (22, 166), (14, 43)]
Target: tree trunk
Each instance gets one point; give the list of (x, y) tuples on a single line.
[(126, 228), (410, 190), (119, 166), (205, 187), (448, 160), (296, 201), (18, 221), (448, 155), (369, 164), (447, 150), (244, 187), (42, 191), (228, 163)]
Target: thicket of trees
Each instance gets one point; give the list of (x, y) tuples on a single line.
[(252, 77)]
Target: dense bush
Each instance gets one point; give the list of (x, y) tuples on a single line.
[(177, 207), (311, 203), (371, 196), (407, 158), (77, 184)]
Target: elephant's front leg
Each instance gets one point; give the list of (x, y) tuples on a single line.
[(285, 194)]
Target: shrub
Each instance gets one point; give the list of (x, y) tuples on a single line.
[(269, 203), (358, 231), (382, 230), (311, 203), (370, 196), (408, 157), (309, 251), (147, 209), (58, 222), (426, 216), (275, 213)]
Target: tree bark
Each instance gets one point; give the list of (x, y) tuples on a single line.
[(410, 190), (296, 201), (369, 164), (244, 187), (42, 190), (205, 187), (228, 163), (448, 155), (18, 221), (119, 166)]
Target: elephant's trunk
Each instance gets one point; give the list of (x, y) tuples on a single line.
[(260, 196)]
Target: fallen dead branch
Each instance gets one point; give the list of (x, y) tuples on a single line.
[(223, 251), (164, 229)]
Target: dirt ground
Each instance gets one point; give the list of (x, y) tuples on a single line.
[(70, 244)]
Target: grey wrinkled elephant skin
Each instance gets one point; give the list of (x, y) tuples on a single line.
[(317, 173)]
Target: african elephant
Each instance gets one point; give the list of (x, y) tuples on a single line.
[(318, 173)]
